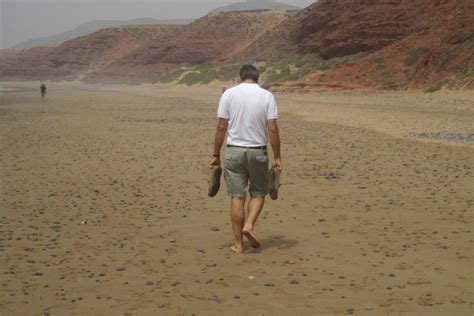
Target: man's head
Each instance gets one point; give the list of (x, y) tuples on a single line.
[(249, 72)]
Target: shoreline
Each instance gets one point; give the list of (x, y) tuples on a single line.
[(445, 119)]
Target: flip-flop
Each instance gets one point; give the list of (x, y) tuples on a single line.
[(214, 181), (273, 183)]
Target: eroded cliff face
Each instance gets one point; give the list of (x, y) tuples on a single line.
[(402, 43), (143, 49), (339, 28), (86, 54)]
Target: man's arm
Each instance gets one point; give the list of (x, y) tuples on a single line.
[(274, 136), (221, 131)]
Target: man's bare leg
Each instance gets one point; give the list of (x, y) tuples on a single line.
[(237, 216), (255, 208)]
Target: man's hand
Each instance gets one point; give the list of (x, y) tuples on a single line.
[(274, 135), (221, 131), (216, 161), (277, 164)]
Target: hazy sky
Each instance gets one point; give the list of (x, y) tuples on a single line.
[(25, 19)]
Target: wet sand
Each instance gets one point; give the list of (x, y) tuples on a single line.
[(104, 208)]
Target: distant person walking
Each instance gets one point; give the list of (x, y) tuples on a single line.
[(249, 114), (43, 90)]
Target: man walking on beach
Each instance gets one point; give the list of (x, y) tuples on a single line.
[(249, 114), (43, 90)]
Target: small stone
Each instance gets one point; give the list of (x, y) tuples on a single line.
[(120, 269), (251, 277), (172, 240), (149, 283), (236, 297), (214, 298), (162, 306), (215, 229), (294, 282), (392, 275), (269, 284), (83, 222), (37, 274)]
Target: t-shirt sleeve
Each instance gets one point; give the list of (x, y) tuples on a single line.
[(223, 110), (272, 112)]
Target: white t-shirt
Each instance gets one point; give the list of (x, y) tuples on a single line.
[(247, 107)]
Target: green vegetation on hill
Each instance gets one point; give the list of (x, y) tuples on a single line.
[(288, 68), (414, 55), (168, 77), (206, 73)]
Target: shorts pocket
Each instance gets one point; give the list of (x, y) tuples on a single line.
[(261, 158), (231, 158)]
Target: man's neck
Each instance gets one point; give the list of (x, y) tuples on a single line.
[(248, 81)]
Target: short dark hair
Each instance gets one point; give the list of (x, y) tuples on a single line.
[(249, 72)]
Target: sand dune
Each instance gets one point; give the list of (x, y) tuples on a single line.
[(104, 208)]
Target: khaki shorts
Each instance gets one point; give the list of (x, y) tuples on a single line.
[(246, 167)]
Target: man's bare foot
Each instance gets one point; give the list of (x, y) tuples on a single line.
[(253, 241), (237, 249)]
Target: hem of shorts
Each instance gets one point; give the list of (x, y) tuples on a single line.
[(237, 195), (258, 195)]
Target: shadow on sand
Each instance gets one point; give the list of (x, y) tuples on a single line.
[(274, 241)]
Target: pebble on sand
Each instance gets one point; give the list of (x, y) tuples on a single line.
[(120, 269)]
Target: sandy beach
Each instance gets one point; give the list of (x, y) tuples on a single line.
[(104, 207)]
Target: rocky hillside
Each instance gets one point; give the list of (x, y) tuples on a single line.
[(140, 51), (426, 44), (380, 44), (400, 43), (81, 56)]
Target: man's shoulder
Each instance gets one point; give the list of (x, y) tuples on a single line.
[(227, 93)]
